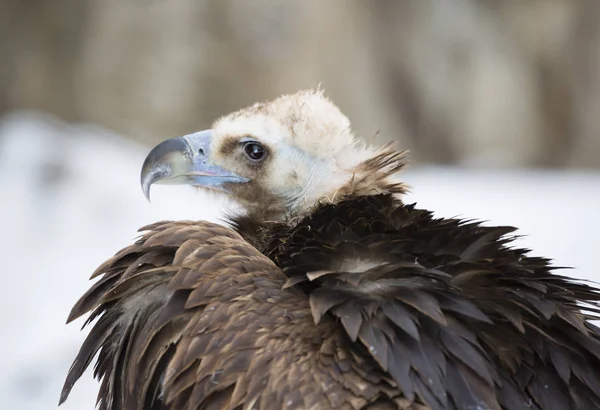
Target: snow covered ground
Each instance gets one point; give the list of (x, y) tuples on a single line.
[(70, 198)]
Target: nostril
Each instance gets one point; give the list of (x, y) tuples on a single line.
[(201, 151)]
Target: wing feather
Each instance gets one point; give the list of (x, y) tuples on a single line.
[(192, 316)]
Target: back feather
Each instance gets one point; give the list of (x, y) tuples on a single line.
[(457, 318)]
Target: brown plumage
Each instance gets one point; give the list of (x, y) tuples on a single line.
[(353, 301)]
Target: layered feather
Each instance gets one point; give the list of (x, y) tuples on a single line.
[(457, 318), (367, 303), (193, 317)]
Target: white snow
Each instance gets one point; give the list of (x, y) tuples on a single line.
[(70, 198)]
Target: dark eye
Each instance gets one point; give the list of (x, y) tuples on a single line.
[(255, 151)]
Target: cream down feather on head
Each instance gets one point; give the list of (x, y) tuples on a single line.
[(277, 159)]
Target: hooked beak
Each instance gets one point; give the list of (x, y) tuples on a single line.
[(185, 161)]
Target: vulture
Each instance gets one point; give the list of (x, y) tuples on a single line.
[(325, 290)]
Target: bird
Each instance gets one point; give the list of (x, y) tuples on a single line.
[(325, 290)]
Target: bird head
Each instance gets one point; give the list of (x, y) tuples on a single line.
[(277, 159)]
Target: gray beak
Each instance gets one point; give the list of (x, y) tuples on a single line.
[(185, 161)]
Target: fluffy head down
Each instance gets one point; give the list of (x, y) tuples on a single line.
[(307, 121), (312, 154)]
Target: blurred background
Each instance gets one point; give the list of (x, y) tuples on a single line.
[(499, 103), (512, 83)]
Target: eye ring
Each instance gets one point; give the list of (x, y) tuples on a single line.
[(254, 151)]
